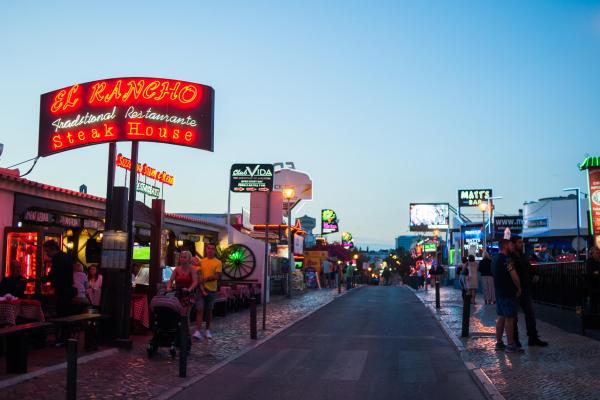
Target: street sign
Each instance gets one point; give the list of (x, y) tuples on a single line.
[(429, 247), (251, 178), (258, 208), (473, 197), (149, 190)]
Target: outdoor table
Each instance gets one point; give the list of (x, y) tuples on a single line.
[(12, 309), (139, 309)]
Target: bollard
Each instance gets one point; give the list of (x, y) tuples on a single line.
[(437, 294), (253, 334), (71, 369), (466, 315), (183, 346)]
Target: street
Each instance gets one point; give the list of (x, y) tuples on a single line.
[(374, 343)]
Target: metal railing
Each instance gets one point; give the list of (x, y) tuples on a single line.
[(562, 284)]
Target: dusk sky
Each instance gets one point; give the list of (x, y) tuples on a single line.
[(382, 103)]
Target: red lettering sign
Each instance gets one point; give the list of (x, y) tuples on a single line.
[(146, 170), (125, 109)]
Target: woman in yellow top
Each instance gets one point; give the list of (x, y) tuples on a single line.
[(209, 273)]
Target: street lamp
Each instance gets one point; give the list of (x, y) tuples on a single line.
[(577, 191), (490, 206), (288, 195), (483, 207)]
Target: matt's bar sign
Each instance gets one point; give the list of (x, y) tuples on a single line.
[(473, 197), (126, 109), (251, 178)]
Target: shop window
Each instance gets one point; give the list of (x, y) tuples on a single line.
[(22, 247)]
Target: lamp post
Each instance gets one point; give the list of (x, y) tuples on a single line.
[(288, 195), (490, 206), (577, 191), (483, 207)]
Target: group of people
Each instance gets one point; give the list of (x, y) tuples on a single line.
[(513, 276), (75, 290), (197, 280), (506, 279)]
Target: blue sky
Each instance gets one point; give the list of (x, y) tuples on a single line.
[(383, 103)]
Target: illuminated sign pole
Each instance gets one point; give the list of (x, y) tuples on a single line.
[(250, 178)]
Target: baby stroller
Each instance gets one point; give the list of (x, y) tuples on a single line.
[(167, 321)]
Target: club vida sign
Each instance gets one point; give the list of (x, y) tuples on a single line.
[(126, 109)]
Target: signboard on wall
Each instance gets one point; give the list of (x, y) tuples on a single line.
[(473, 197), (251, 178), (512, 222), (429, 216), (126, 109)]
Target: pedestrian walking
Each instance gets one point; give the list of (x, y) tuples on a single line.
[(209, 274), (508, 290), (527, 276), (348, 275), (487, 280), (472, 277), (326, 273), (184, 279)]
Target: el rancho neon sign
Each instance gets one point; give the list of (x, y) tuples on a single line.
[(126, 109), (146, 170)]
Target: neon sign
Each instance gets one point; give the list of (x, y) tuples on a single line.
[(123, 109), (329, 222), (146, 170)]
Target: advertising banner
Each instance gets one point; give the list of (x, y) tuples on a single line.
[(347, 240), (251, 178), (512, 222), (473, 197), (429, 216), (329, 222), (126, 109), (594, 187)]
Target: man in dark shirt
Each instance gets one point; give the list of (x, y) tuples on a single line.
[(14, 284), (526, 275), (508, 289), (61, 277)]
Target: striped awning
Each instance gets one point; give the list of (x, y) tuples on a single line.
[(589, 162)]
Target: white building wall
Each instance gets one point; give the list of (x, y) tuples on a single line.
[(560, 214)]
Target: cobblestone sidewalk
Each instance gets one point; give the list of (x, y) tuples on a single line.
[(568, 369), (131, 375)]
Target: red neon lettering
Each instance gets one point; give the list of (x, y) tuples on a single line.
[(138, 91), (59, 104), (137, 129), (82, 137)]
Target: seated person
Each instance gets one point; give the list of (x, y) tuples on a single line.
[(80, 283), (15, 283)]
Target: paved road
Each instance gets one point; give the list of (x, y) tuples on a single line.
[(374, 343)]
